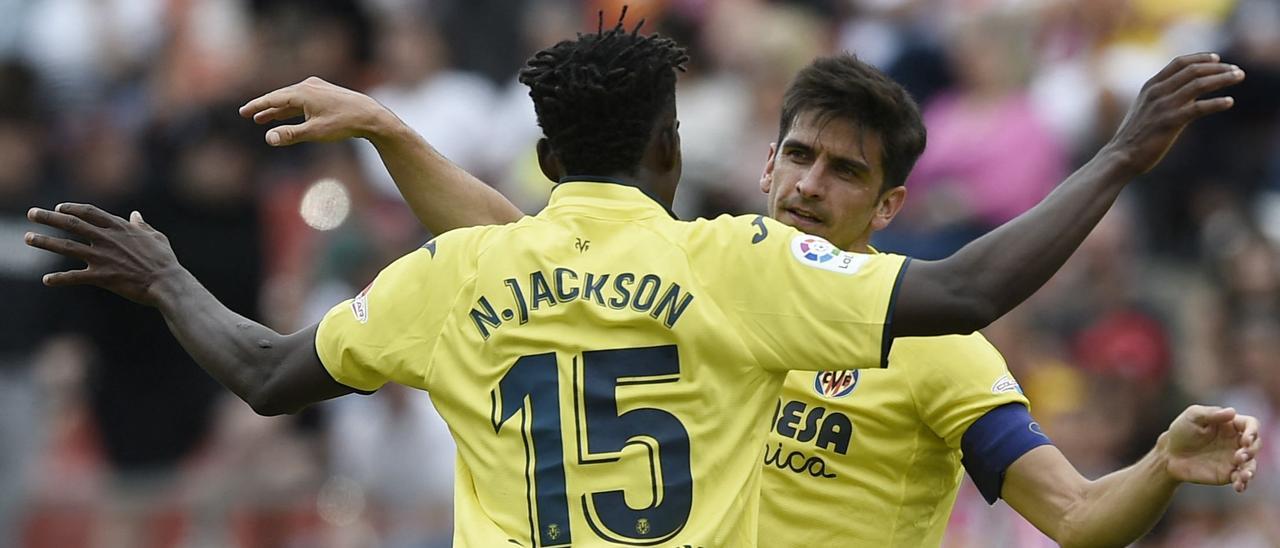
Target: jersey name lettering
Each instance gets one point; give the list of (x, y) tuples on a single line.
[(645, 294)]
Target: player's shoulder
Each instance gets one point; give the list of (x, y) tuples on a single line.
[(955, 373), (472, 241), (950, 353), (748, 229), (738, 243), (742, 237), (953, 367)]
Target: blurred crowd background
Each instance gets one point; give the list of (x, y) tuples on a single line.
[(110, 436)]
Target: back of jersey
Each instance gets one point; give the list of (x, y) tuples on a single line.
[(594, 365)]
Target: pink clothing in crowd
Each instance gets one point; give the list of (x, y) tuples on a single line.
[(1000, 156)]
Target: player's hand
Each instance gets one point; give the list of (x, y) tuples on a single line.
[(1168, 102), (329, 113), (128, 258), (1213, 446)]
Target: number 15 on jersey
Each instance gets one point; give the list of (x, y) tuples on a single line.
[(531, 389)]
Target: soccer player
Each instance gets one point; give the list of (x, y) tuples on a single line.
[(882, 449), (601, 364)]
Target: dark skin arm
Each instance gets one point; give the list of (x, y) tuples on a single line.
[(993, 274), (960, 294), (277, 373), (442, 195), (273, 373)]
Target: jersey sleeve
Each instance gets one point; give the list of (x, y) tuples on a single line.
[(388, 333), (994, 442), (966, 378), (969, 399), (801, 303)]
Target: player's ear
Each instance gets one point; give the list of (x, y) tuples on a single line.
[(766, 178), (887, 207), (548, 162), (669, 146)]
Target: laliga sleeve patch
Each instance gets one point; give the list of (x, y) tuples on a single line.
[(360, 305), (1006, 383), (819, 253)]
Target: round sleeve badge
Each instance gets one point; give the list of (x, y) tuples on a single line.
[(818, 253), (817, 249)]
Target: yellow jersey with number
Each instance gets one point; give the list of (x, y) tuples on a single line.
[(608, 372), (872, 457)]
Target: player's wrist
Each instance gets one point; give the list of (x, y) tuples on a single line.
[(1119, 162), (1163, 462), (381, 126), (168, 286)]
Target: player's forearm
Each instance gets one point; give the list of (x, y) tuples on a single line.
[(1001, 269), (442, 195), (1120, 507), (991, 275), (1014, 260), (239, 353)]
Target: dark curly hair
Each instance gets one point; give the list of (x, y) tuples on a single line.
[(599, 96), (843, 87)]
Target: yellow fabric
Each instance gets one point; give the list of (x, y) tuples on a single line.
[(703, 317), (877, 464)]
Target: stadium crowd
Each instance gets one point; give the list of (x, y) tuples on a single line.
[(110, 436)]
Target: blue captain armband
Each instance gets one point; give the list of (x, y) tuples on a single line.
[(994, 441)]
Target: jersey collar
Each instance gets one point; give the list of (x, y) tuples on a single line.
[(605, 194)]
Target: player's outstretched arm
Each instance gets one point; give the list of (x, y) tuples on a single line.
[(273, 373), (995, 273), (442, 195), (1205, 445)]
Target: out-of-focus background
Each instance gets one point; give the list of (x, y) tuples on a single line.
[(110, 436)]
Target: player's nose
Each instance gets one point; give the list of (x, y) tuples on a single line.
[(810, 185)]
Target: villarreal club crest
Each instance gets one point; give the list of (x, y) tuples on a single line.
[(835, 384)]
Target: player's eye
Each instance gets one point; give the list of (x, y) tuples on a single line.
[(848, 172), (797, 155)]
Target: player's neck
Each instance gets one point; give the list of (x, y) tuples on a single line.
[(646, 185), (862, 244)]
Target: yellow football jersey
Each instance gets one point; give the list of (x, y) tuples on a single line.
[(608, 371), (872, 457)]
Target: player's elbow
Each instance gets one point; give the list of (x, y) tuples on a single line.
[(1062, 531), (267, 407), (271, 410), (1069, 542), (1072, 536), (1076, 534), (270, 403), (1074, 527)]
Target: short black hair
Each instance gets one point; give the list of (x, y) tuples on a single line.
[(598, 97), (843, 87)]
